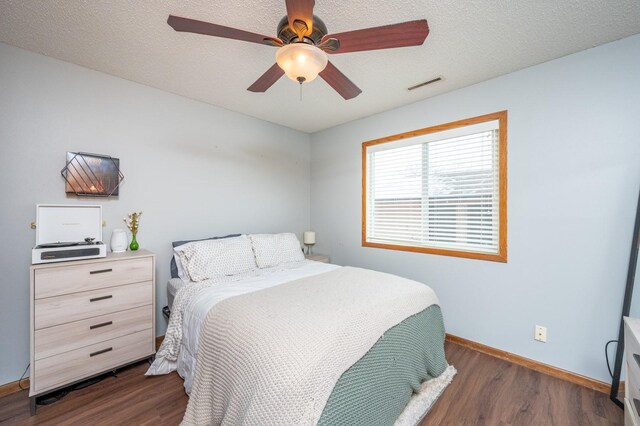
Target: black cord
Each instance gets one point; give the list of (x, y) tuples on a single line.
[(606, 355), (22, 377)]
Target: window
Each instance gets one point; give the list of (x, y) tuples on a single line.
[(440, 190)]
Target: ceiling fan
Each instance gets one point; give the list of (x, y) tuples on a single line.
[(303, 45)]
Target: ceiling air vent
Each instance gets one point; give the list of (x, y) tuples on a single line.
[(440, 78)]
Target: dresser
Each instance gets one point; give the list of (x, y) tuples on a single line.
[(89, 317), (632, 384)]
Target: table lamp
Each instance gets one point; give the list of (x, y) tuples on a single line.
[(309, 240)]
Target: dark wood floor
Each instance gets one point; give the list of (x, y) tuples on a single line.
[(486, 391)]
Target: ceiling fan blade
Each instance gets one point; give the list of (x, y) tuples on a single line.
[(339, 82), (207, 28), (267, 79), (411, 33), (301, 11), (329, 44)]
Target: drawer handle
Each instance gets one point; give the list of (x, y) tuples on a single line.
[(637, 358), (100, 352), (104, 324), (95, 299), (101, 271), (637, 404)]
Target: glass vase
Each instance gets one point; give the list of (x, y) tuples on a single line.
[(134, 243)]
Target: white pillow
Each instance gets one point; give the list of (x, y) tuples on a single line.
[(201, 260), (181, 272), (274, 249)]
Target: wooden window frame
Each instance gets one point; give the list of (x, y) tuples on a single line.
[(501, 256)]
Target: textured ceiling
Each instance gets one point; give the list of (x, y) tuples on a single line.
[(470, 41)]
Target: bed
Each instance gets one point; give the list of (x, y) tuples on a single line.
[(292, 342)]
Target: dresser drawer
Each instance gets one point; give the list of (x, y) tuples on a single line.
[(630, 413), (633, 366), (74, 335), (631, 343), (632, 386), (71, 279), (631, 348), (75, 365), (58, 310)]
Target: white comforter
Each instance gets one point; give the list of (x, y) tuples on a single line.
[(194, 310), (273, 357)]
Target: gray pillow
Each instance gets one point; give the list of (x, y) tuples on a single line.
[(174, 268)]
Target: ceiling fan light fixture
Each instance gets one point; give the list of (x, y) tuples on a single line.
[(301, 62)]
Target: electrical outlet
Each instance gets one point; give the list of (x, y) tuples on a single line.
[(540, 334)]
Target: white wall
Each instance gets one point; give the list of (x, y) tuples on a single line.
[(574, 173), (193, 169)]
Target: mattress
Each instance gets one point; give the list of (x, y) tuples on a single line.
[(173, 286)]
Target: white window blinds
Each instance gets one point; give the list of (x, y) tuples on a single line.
[(439, 190)]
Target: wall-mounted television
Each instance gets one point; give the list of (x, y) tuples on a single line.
[(92, 174)]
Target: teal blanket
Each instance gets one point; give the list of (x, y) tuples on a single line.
[(375, 390)]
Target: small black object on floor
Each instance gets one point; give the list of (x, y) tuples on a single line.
[(57, 395)]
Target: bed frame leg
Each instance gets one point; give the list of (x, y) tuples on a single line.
[(32, 405)]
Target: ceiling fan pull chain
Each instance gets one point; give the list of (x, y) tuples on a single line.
[(300, 80)]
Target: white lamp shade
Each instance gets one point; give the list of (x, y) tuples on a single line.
[(309, 237), (301, 60)]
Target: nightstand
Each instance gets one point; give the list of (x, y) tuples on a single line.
[(317, 257)]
